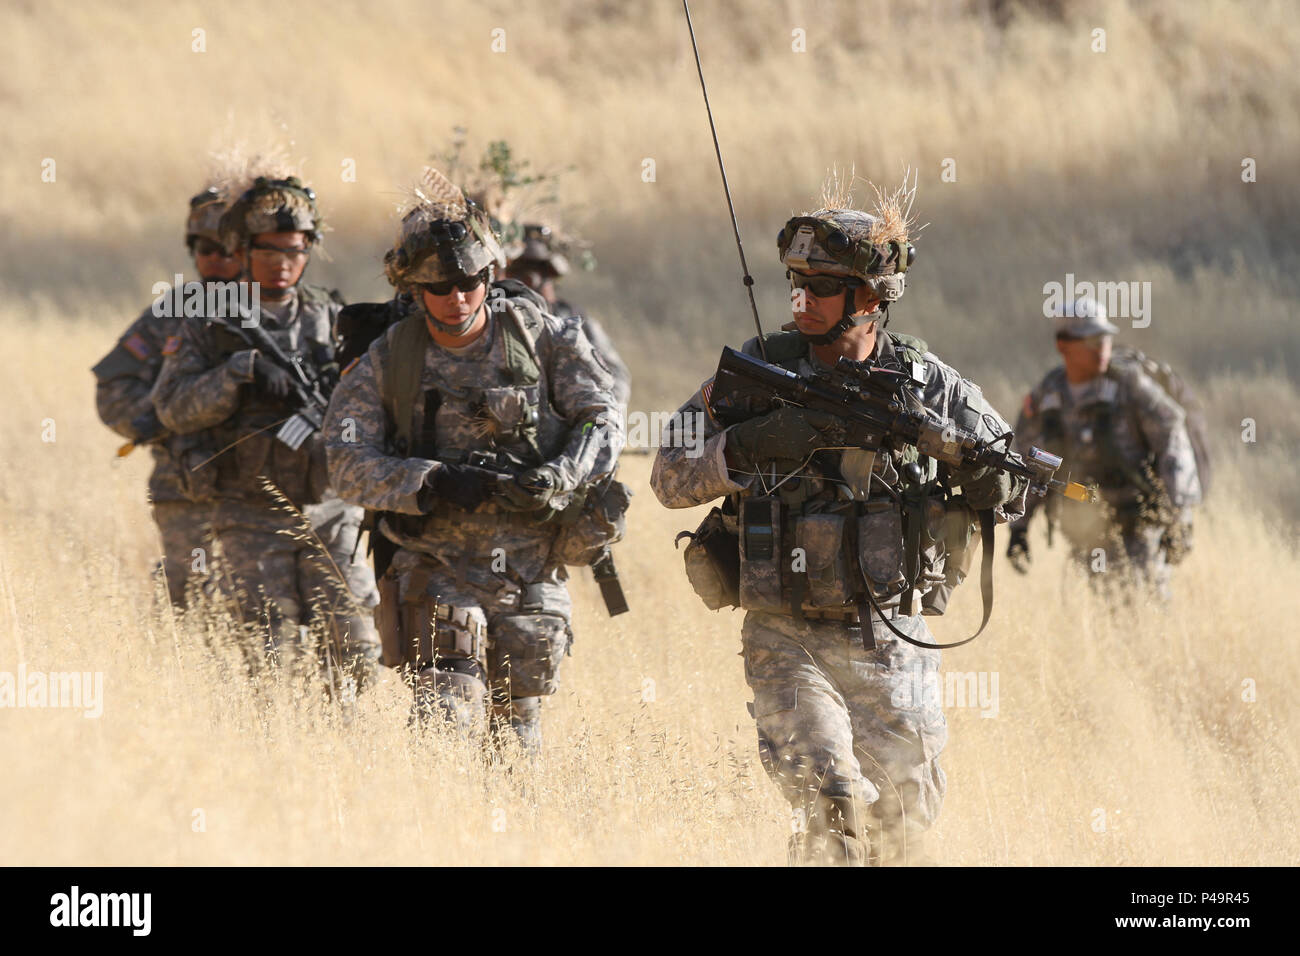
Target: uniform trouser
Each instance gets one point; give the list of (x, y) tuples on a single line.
[(186, 531), (840, 731), (507, 675), (281, 576), (1142, 563)]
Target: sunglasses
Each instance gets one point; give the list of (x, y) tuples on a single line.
[(466, 284), (267, 253), (207, 247), (823, 287)]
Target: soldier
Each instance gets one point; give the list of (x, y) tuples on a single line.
[(469, 425), (840, 731), (124, 381), (538, 264), (1117, 427), (216, 383)]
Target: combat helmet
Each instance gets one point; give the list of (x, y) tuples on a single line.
[(871, 249), (444, 237), (272, 205), (537, 249), (204, 218)]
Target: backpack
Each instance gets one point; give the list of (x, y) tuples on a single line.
[(1176, 387)]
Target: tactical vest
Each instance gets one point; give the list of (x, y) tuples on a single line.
[(250, 450), (803, 552)]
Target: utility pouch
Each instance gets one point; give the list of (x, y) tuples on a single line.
[(388, 621), (760, 553), (959, 543), (198, 476), (821, 538), (880, 547), (713, 562)]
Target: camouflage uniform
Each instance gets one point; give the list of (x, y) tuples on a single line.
[(1123, 432), (836, 720), (838, 728), (493, 569), (278, 571), (124, 381)]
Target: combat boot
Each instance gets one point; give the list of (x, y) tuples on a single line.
[(837, 834)]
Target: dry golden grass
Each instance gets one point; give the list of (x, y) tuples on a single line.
[(1140, 715), (1123, 165)]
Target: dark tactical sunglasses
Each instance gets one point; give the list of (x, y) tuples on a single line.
[(208, 247), (823, 287), (466, 284)]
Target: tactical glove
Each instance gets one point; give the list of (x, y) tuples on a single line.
[(465, 486), (146, 427), (787, 434), (1018, 550), (531, 489), (270, 379)]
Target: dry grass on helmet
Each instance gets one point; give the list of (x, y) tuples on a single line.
[(435, 197), (889, 220), (233, 168)]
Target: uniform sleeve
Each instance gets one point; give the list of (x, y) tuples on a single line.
[(196, 388), (583, 394), (1164, 426), (609, 358), (690, 468), (963, 402), (360, 469), (124, 379)]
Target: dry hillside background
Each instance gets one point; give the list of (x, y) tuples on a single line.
[(1155, 735)]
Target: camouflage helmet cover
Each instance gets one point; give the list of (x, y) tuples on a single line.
[(442, 239), (271, 205), (838, 242), (538, 245), (204, 218)]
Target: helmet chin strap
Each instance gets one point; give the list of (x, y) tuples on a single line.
[(845, 323)]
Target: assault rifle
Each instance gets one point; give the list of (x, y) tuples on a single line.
[(880, 408), (310, 386)]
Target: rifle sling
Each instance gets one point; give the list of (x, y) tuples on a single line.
[(986, 594)]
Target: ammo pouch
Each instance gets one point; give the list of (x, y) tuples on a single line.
[(713, 561), (198, 476), (600, 523), (415, 631)]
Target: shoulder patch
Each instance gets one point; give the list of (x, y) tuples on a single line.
[(172, 345), (706, 392), (136, 345), (350, 366)]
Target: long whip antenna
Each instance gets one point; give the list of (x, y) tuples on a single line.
[(744, 266)]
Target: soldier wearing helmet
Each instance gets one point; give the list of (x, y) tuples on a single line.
[(218, 383), (124, 381), (839, 728), (537, 262), (1117, 427), (471, 427)]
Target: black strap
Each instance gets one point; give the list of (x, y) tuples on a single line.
[(986, 593)]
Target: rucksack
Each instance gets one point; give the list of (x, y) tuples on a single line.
[(1176, 387)]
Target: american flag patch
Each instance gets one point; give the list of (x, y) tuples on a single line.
[(172, 345), (350, 366), (706, 391), (136, 345)]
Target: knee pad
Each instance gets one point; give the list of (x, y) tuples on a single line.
[(455, 691), (527, 650)]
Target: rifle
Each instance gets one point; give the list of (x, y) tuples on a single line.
[(310, 386), (881, 408)]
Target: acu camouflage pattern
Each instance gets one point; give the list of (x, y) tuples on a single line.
[(277, 571), (829, 716), (1126, 434), (124, 381), (496, 564)]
